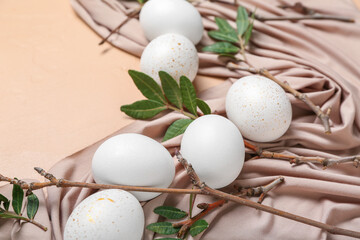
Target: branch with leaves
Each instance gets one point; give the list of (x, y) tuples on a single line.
[(172, 96), (182, 98), (234, 41), (32, 204), (195, 225), (201, 188)]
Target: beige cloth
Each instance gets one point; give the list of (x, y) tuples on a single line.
[(321, 58)]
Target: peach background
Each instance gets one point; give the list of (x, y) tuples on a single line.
[(60, 91)]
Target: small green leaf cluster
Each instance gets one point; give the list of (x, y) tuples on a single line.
[(172, 213), (17, 204), (170, 95), (231, 40)]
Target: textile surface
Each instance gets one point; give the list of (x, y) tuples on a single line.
[(319, 57)]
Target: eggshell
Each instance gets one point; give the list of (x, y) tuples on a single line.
[(215, 148), (135, 160), (158, 17), (259, 107), (110, 214), (172, 53)]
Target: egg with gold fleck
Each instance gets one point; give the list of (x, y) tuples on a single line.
[(259, 107), (172, 53), (110, 214)]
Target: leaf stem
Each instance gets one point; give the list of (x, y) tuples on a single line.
[(242, 49), (36, 223), (192, 116)]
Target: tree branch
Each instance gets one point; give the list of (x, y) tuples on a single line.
[(325, 162), (261, 190), (315, 16), (66, 183), (203, 189), (323, 116), (208, 207), (242, 201), (129, 16)]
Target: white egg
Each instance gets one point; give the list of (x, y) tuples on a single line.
[(215, 148), (110, 214), (259, 107), (171, 53), (158, 17), (135, 160)]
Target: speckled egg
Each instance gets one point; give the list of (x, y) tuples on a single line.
[(215, 148), (172, 53), (259, 107), (158, 17), (135, 160), (110, 214)]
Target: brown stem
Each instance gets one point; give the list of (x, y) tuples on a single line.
[(35, 223), (65, 183), (314, 16), (208, 207), (323, 116), (185, 225), (203, 189), (261, 190), (225, 196), (325, 162), (129, 16), (298, 7)]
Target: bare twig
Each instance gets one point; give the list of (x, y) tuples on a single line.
[(242, 201), (129, 16), (325, 162), (315, 16), (323, 116), (298, 7), (66, 183), (208, 207), (261, 190), (203, 189)]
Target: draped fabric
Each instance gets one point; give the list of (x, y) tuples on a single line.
[(318, 57)]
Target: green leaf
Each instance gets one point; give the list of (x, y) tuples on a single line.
[(32, 205), (6, 202), (170, 212), (222, 48), (147, 86), (17, 198), (143, 109), (171, 89), (164, 228), (198, 227), (188, 94), (191, 203), (176, 128), (224, 36), (248, 32), (7, 214), (203, 106), (227, 55), (223, 25), (242, 20), (168, 238)]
